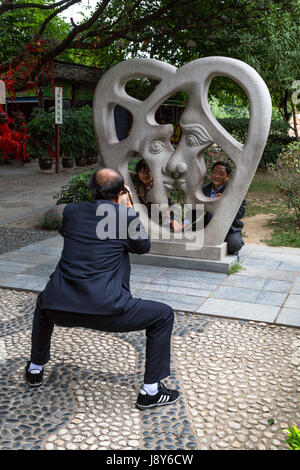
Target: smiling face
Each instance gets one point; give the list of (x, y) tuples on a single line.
[(219, 176)]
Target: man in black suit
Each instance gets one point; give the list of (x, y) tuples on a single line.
[(220, 176), (90, 286)]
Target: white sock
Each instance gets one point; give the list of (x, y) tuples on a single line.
[(151, 389), (35, 368)]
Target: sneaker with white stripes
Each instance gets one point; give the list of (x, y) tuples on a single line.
[(164, 396)]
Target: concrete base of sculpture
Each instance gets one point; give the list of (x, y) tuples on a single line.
[(186, 249), (220, 266), (185, 255)]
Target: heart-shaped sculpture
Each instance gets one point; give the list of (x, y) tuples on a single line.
[(200, 129)]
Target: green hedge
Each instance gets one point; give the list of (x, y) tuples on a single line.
[(77, 190), (76, 133), (278, 136)]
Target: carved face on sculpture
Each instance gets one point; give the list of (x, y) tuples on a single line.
[(156, 149), (187, 161), (200, 129)]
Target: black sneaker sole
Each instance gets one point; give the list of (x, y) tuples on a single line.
[(145, 407), (30, 384)]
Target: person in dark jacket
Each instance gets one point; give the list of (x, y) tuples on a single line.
[(220, 176), (90, 286)]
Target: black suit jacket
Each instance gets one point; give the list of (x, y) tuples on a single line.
[(92, 275), (237, 224)]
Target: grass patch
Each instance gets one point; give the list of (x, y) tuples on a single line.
[(253, 209), (235, 268), (264, 183), (285, 232)]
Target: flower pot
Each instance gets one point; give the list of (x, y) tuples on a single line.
[(67, 162), (45, 163), (81, 161)]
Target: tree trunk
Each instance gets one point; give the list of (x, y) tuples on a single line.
[(295, 120)]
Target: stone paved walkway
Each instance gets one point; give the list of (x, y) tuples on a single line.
[(266, 289), (235, 359)]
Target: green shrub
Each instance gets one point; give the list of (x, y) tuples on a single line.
[(277, 139), (52, 220), (293, 438), (288, 177), (41, 130), (77, 190), (76, 132)]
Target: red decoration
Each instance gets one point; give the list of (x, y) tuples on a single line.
[(12, 142), (26, 68)]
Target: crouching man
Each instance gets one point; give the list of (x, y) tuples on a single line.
[(90, 286)]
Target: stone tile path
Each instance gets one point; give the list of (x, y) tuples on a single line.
[(267, 289), (235, 360)]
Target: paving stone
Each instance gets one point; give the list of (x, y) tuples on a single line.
[(271, 298), (206, 276), (277, 286), (263, 263), (265, 273), (177, 301), (177, 290), (289, 266), (11, 266), (19, 281), (238, 294), (244, 281), (21, 256), (289, 316), (293, 301), (296, 289), (242, 310), (41, 249), (42, 270)]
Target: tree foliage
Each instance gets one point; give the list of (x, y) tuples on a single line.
[(263, 33)]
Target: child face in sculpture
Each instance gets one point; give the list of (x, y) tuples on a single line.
[(145, 176)]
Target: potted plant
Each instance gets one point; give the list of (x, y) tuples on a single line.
[(45, 160), (81, 160), (41, 129), (67, 160), (90, 159)]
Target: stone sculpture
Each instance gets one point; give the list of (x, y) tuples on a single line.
[(200, 129)]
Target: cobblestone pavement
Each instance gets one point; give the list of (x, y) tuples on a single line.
[(239, 383)]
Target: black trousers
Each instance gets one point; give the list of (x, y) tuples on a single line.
[(234, 242), (155, 317)]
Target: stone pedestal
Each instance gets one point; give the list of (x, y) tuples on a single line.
[(175, 254)]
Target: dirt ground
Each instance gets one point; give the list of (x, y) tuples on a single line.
[(255, 229), (29, 180)]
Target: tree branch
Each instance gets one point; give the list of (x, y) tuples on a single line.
[(55, 13), (65, 44), (10, 5)]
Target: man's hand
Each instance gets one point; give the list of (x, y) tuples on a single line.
[(125, 199), (218, 195), (177, 227)]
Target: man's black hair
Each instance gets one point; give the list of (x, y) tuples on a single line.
[(226, 164), (107, 185), (141, 165)]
